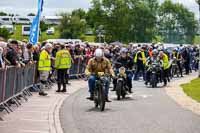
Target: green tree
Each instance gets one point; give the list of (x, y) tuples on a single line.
[(80, 13), (125, 20), (43, 26), (176, 23), (4, 33), (72, 27), (96, 16), (3, 14), (31, 14)]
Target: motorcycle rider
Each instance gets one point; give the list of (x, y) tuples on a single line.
[(98, 64), (150, 60), (124, 61)]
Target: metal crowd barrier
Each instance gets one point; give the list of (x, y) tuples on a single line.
[(78, 68), (15, 82)]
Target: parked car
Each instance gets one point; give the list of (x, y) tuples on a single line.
[(50, 31)]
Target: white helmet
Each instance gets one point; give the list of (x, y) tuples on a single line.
[(98, 53)]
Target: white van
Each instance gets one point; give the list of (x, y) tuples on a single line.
[(9, 27), (26, 29), (22, 20), (6, 20)]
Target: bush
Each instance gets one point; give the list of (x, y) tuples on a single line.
[(43, 26), (4, 33)]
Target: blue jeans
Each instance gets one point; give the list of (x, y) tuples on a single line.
[(91, 83), (129, 79)]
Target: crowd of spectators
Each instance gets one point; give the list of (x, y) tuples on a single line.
[(20, 53)]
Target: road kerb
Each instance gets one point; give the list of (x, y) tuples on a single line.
[(175, 91)]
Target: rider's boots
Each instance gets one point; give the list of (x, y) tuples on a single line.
[(107, 99), (91, 97)]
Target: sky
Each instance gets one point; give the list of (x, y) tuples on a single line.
[(52, 7)]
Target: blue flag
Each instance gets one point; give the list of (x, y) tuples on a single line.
[(34, 31)]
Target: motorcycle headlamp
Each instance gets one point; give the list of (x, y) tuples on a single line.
[(122, 70)]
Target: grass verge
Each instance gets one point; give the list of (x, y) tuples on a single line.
[(18, 34), (192, 89)]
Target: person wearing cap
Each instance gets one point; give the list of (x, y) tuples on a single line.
[(125, 61), (98, 64), (62, 64), (44, 66), (165, 65)]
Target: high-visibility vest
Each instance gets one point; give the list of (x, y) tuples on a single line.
[(176, 55), (143, 57), (150, 53), (63, 59), (166, 64), (44, 61), (136, 56)]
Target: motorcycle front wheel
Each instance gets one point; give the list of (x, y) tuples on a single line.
[(119, 90), (102, 101)]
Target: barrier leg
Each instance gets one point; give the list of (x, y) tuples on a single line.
[(28, 91), (4, 107), (15, 101), (23, 95), (8, 107), (35, 86)]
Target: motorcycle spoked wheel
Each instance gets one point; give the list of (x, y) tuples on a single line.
[(153, 81), (102, 101), (96, 99), (119, 90)]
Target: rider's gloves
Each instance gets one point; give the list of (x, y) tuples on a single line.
[(88, 74), (113, 76)]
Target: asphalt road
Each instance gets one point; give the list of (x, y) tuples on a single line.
[(148, 110)]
